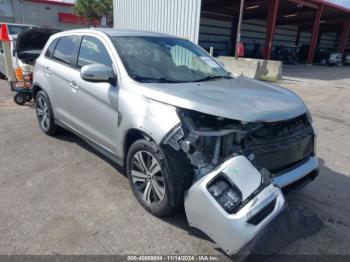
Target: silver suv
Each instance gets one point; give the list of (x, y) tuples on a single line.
[(186, 131)]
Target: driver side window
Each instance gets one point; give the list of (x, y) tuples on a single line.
[(93, 51)]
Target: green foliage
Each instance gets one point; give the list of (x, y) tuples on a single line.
[(94, 9)]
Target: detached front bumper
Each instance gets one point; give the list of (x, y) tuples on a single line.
[(233, 231)]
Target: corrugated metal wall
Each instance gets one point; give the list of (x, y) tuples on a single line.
[(329, 40), (305, 38), (215, 33), (254, 32), (175, 17)]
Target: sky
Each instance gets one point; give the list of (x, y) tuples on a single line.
[(345, 3)]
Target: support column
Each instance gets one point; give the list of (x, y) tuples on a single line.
[(297, 39), (315, 32), (271, 25), (344, 37)]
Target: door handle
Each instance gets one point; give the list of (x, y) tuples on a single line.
[(47, 70), (74, 85)]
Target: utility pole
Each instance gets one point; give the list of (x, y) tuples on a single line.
[(22, 11), (239, 27)]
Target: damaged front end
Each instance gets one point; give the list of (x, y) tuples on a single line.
[(239, 169)]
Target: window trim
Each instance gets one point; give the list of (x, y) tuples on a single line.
[(55, 42), (79, 37), (75, 65)]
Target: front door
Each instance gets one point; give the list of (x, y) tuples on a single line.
[(95, 105)]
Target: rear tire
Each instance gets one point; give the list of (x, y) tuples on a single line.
[(44, 114)]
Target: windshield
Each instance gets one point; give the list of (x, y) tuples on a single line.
[(166, 59)]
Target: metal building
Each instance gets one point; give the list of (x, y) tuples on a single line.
[(266, 23)]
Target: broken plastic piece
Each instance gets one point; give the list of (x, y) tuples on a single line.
[(231, 231)]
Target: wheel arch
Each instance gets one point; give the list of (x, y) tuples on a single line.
[(36, 89), (132, 135)]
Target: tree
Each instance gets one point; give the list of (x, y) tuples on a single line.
[(87, 9), (94, 9), (105, 8)]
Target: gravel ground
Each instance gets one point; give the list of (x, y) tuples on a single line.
[(58, 196)]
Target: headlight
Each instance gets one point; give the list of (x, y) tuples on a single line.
[(173, 137), (225, 193)]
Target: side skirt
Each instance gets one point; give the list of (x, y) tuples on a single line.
[(99, 148)]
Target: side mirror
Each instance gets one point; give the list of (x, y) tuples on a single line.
[(97, 73)]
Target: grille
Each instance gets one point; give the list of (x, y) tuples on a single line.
[(282, 153)]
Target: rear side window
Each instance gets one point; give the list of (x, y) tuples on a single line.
[(51, 48), (93, 51), (64, 49)]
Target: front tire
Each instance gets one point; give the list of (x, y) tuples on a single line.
[(44, 114), (152, 179)]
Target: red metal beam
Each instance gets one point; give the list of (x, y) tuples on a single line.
[(315, 32), (271, 25), (344, 36)]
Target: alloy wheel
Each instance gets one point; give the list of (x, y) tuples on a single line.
[(147, 177), (43, 113)]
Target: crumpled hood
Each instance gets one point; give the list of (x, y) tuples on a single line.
[(241, 99)]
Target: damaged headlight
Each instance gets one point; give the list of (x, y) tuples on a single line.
[(225, 193), (173, 137)]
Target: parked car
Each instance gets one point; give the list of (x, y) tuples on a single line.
[(288, 54), (186, 131), (14, 30), (26, 46), (346, 58), (323, 56)]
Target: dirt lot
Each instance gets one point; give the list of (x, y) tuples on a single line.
[(58, 196)]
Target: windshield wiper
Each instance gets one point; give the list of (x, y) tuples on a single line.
[(208, 78), (157, 79)]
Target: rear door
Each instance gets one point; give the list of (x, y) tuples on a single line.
[(58, 70), (94, 105)]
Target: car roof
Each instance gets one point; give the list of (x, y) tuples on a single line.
[(118, 32), (20, 25)]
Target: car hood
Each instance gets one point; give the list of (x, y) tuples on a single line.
[(239, 98)]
